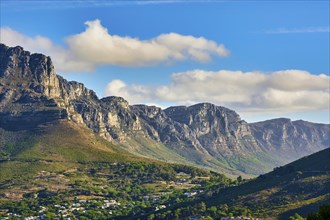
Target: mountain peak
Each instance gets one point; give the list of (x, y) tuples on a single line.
[(31, 94), (12, 50), (18, 64)]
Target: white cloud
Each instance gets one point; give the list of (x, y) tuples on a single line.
[(277, 92), (135, 92), (96, 46), (64, 59)]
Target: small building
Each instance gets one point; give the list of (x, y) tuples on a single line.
[(110, 203), (190, 194), (155, 197), (182, 174)]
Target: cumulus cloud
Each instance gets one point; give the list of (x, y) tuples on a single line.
[(96, 46), (134, 92), (276, 92)]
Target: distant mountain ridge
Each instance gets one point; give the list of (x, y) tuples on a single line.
[(291, 138), (203, 134)]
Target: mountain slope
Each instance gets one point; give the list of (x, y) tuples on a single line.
[(61, 166), (205, 135), (54, 145), (300, 186), (291, 139)]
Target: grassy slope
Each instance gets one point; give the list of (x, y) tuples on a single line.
[(55, 147), (66, 141), (59, 146), (142, 146), (146, 147), (297, 187), (53, 150)]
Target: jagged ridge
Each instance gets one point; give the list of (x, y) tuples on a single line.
[(203, 134)]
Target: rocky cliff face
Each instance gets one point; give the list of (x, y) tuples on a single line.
[(29, 86), (32, 94), (220, 130), (27, 83), (288, 139)]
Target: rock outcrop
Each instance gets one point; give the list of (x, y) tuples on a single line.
[(220, 130), (291, 139), (26, 87), (215, 137)]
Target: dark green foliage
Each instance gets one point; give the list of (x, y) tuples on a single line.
[(322, 214), (299, 185), (127, 183), (296, 217), (203, 212), (51, 172)]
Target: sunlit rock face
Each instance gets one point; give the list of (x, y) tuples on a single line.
[(31, 94), (291, 138)]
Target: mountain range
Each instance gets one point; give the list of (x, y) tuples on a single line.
[(32, 95)]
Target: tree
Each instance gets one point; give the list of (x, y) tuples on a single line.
[(224, 208), (151, 217), (177, 213), (50, 215), (212, 210), (201, 207), (296, 217)]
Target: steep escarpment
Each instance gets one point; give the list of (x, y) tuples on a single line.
[(288, 139), (223, 135), (219, 129), (176, 135), (30, 90), (27, 83), (32, 94)]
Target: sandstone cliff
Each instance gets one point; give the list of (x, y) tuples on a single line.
[(291, 139), (204, 134)]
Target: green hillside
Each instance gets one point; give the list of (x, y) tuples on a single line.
[(58, 141), (61, 163), (299, 187), (53, 147)]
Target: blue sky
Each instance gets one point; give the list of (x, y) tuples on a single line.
[(264, 59)]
